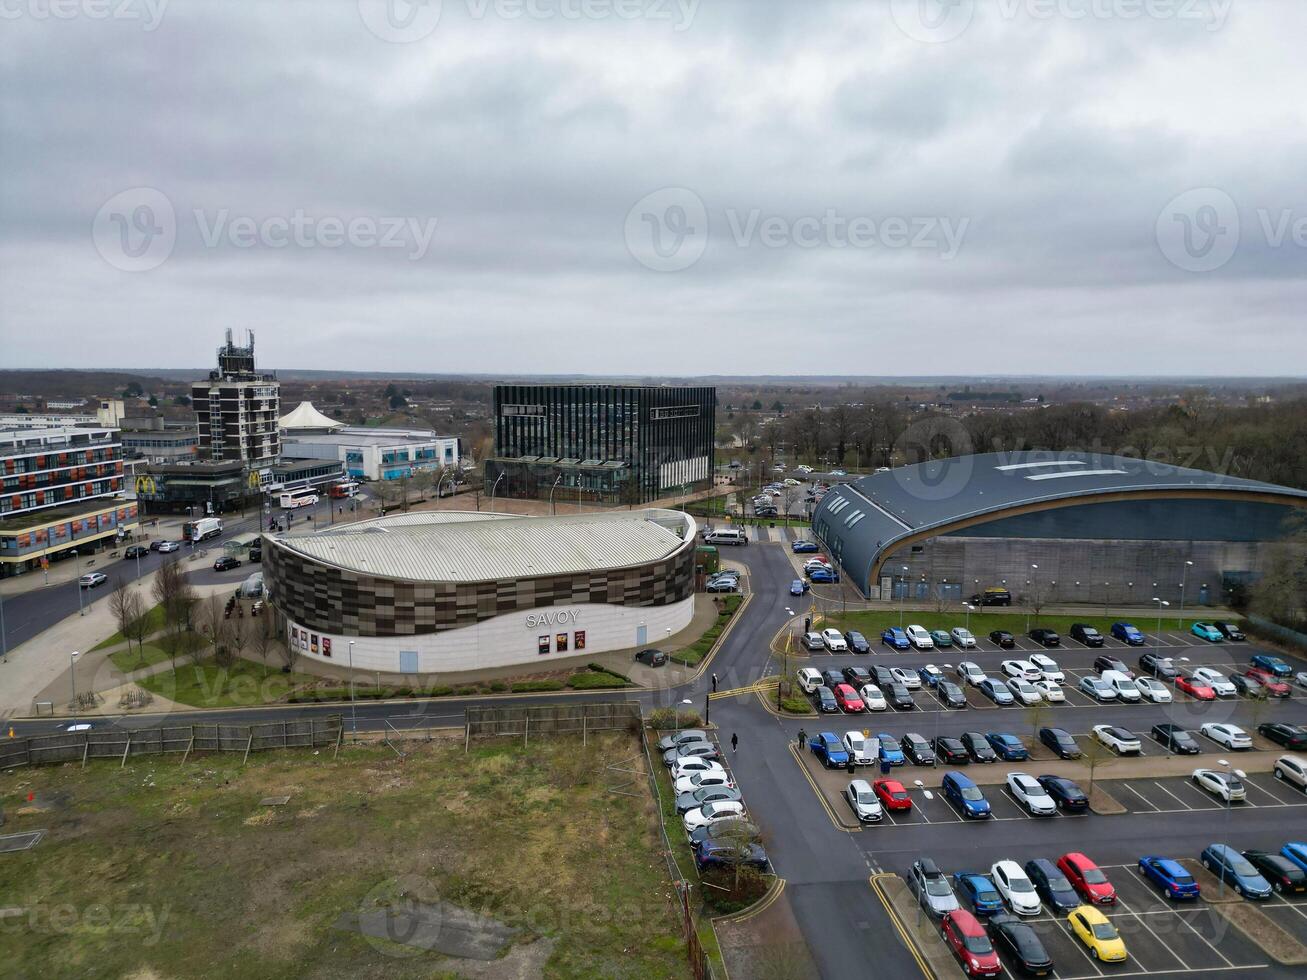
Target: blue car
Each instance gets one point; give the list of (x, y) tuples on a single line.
[(728, 854), (964, 794), (1296, 851), (1206, 631), (1274, 664), (822, 576), (798, 587), (800, 547), (979, 892), (895, 638), (930, 675), (1008, 746), (830, 750), (889, 749), (1170, 876), (1126, 633), (1229, 865), (995, 690), (857, 642)]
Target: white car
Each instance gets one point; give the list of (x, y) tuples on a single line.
[(791, 482), (1027, 791), (812, 564), (1024, 691), (1016, 888), (1218, 682), (970, 673), (873, 699), (1050, 691), (1153, 690), (834, 641), (1121, 740), (908, 678), (809, 678), (710, 813), (698, 780), (1292, 769), (1300, 678), (1225, 786), (813, 641), (168, 546), (919, 638), (862, 750), (1126, 691), (1231, 736), (692, 764), (1096, 688), (1021, 668), (1048, 668), (962, 638)]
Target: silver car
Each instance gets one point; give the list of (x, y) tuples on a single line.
[(858, 794), (933, 888), (1097, 688)]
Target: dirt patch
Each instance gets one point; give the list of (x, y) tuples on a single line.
[(1209, 884), (1269, 937), (767, 945), (1104, 803)]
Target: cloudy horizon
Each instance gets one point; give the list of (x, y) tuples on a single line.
[(656, 187)]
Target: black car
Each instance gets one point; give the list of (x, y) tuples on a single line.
[(917, 749), (154, 545), (651, 657), (1066, 794), (825, 699), (1111, 663), (1021, 943), (856, 676), (1045, 637), (1061, 742), (882, 676), (739, 829), (1290, 736), (256, 555), (1249, 687), (832, 678), (1229, 630), (1086, 634), (898, 696), (1285, 876), (857, 642), (1052, 885), (1160, 667), (978, 747), (1003, 638), (136, 551), (950, 694), (1176, 739), (950, 750), (226, 562)]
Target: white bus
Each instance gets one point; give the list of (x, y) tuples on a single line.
[(726, 535), (302, 497)]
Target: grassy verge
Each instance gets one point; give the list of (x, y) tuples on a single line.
[(696, 651), (206, 685), (871, 623), (154, 623), (138, 657), (163, 870)]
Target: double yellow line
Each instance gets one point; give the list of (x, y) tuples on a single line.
[(821, 797), (899, 925), (763, 686)]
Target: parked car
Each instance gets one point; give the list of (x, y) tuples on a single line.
[(736, 827), (693, 765), (970, 944), (1128, 634), (1045, 637), (978, 747), (1291, 769), (825, 699), (1126, 691), (1172, 877), (694, 799), (1229, 865), (1120, 740), (1285, 876), (714, 853), (1104, 663), (685, 736), (919, 637), (993, 596), (862, 799), (847, 699), (941, 638), (1024, 691), (136, 551), (710, 814), (1052, 885), (1047, 666), (1275, 687), (824, 576), (932, 887), (1176, 739), (1157, 665), (1066, 793), (895, 638), (892, 794), (1008, 747), (1050, 691), (970, 673), (977, 891), (1086, 634), (962, 638), (1264, 661), (906, 676), (1296, 851), (1217, 681), (1231, 736), (1003, 638), (1226, 786), (1249, 687), (1196, 688), (950, 695), (950, 750), (698, 780), (726, 584), (856, 676), (829, 750), (1087, 879), (862, 750), (809, 679), (813, 642), (1017, 889), (1099, 936), (872, 698), (832, 678), (834, 641), (1153, 690), (1282, 733), (930, 675), (857, 642), (651, 658), (1061, 742), (889, 749), (899, 697), (1096, 688), (1025, 789), (1023, 669), (1207, 631), (1021, 943), (801, 547), (92, 579), (1229, 630), (917, 749), (996, 691), (703, 750)]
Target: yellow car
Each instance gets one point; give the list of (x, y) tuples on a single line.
[(1095, 931)]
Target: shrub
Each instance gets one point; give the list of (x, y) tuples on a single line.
[(796, 705), (498, 686), (522, 687), (674, 718), (590, 679)]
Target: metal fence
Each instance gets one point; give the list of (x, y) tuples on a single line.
[(123, 744), (525, 721)]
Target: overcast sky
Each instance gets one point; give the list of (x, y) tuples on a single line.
[(647, 186)]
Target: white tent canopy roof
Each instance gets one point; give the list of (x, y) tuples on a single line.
[(305, 416)]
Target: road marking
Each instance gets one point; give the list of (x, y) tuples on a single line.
[(1172, 795), (821, 797), (1176, 956), (918, 955), (1145, 799)]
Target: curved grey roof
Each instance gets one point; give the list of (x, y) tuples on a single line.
[(457, 546), (868, 518)]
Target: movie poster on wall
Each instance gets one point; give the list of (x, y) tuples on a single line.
[(560, 642), (542, 644), (578, 639)]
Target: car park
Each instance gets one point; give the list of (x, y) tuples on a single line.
[(1230, 866), (1231, 736), (919, 637), (857, 642), (1023, 669), (856, 676), (737, 827), (1197, 689), (1275, 687), (1128, 634), (799, 587), (710, 814), (825, 700), (1061, 742), (714, 853), (832, 678), (1157, 665), (1022, 944), (978, 747), (950, 695), (941, 639), (933, 888), (1066, 793), (1285, 876), (1045, 637), (872, 698), (1229, 630), (1249, 687), (899, 697), (690, 782), (1023, 691), (829, 750), (862, 750), (92, 579), (863, 802), (1087, 879), (1296, 851), (1218, 682), (694, 764), (978, 892), (917, 749), (1052, 885), (1104, 663), (892, 795), (1120, 740), (685, 736), (1126, 691), (1086, 634), (895, 638), (809, 679), (1050, 691), (722, 584), (930, 675), (1007, 746), (1176, 739), (1096, 688), (906, 676), (813, 641), (824, 576), (1047, 666), (970, 673), (651, 658), (962, 638), (889, 749), (694, 799), (1286, 735), (1226, 786), (702, 750), (1003, 639), (1099, 936), (1277, 666), (996, 691), (834, 641), (801, 547), (950, 750), (847, 699), (1170, 876), (970, 944), (1291, 769), (1025, 789), (1017, 889), (1151, 689), (1207, 631)]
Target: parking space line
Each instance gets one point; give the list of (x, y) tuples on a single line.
[(1172, 795), (1145, 799), (1075, 941), (1249, 784), (1144, 922), (1298, 799)]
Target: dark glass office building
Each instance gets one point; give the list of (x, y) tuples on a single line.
[(601, 443)]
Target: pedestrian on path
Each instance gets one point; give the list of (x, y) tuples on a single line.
[(735, 741), (714, 682), (803, 738)]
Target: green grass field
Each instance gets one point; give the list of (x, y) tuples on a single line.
[(206, 685), (154, 621), (696, 651), (870, 624), (164, 870)]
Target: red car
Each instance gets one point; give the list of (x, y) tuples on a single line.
[(1087, 878), (1194, 688), (967, 938), (1275, 687), (847, 698), (892, 794)]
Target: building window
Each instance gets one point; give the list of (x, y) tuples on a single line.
[(674, 412)]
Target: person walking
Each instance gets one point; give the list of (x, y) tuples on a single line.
[(735, 741), (714, 682), (803, 738)]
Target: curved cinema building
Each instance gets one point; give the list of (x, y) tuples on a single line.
[(431, 592), (1066, 526)]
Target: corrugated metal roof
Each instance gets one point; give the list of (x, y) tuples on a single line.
[(453, 546)]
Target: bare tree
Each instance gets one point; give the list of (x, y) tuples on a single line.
[(263, 638), (125, 605), (139, 627), (174, 594), (214, 627), (1038, 714), (238, 637), (1095, 754)]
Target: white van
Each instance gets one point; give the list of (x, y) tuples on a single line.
[(726, 535), (1126, 689), (809, 679)]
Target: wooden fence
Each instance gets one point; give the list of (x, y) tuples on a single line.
[(525, 721)]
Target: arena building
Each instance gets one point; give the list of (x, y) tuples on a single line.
[(1067, 527), (433, 592)]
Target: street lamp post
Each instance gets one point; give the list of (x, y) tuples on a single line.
[(1034, 594), (1157, 635), (967, 607), (493, 487), (903, 594), (551, 493), (353, 706), (1184, 577), (72, 679)]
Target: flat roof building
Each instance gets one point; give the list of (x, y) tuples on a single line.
[(367, 452)]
